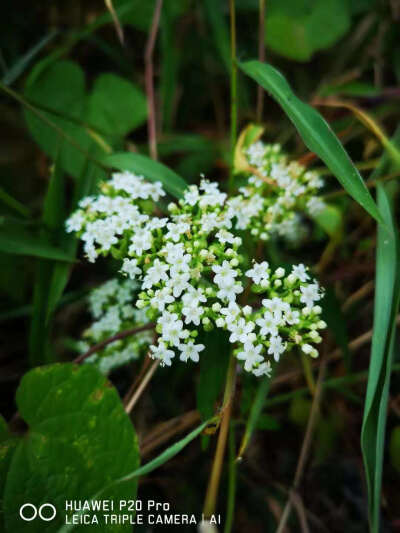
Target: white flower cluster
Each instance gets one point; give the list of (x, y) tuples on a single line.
[(276, 193), (191, 272), (112, 311)]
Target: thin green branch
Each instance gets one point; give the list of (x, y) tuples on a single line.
[(233, 90)]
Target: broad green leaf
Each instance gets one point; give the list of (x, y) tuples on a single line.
[(79, 442), (60, 87), (92, 124), (315, 132), (161, 459), (151, 170), (297, 29), (387, 293), (116, 106), (22, 243)]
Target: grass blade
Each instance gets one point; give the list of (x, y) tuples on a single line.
[(315, 132), (255, 412), (152, 170), (20, 66), (25, 244), (386, 305)]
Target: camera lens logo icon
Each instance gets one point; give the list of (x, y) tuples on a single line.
[(29, 512)]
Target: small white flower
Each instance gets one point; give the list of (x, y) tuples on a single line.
[(190, 351), (156, 273), (240, 330), (229, 292), (178, 283), (224, 236), (130, 268), (268, 324), (300, 272), (263, 369), (276, 347), (224, 274), (191, 195), (75, 222), (231, 312), (259, 272), (250, 355), (161, 352), (174, 332), (292, 317), (193, 314), (310, 294), (161, 298)]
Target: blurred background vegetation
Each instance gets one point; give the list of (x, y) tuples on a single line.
[(72, 92)]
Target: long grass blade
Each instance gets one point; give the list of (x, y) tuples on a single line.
[(315, 132), (387, 295)]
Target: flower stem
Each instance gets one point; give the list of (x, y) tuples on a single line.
[(233, 89), (261, 57), (213, 484)]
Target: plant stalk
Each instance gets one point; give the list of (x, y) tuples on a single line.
[(149, 80), (232, 14), (261, 57), (210, 502)]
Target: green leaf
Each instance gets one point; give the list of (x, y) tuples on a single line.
[(20, 243), (151, 170), (220, 30), (255, 413), (60, 87), (20, 66), (213, 368), (95, 122), (387, 293), (394, 448), (165, 456), (334, 317), (116, 106), (79, 442), (315, 132), (297, 29)]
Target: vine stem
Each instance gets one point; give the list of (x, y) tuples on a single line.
[(117, 337), (149, 75), (210, 502), (261, 57), (232, 15)]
